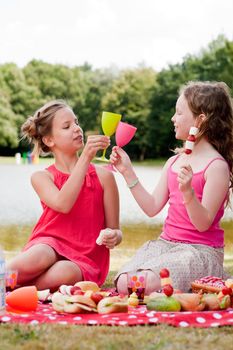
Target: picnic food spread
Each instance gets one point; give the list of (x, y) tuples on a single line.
[(209, 293)]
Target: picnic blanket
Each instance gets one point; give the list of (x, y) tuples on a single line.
[(135, 316)]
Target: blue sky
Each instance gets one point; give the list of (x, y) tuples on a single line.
[(103, 33)]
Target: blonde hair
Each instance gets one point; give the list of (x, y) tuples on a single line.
[(40, 125)]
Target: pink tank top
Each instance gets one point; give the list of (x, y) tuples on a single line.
[(73, 235), (177, 225)]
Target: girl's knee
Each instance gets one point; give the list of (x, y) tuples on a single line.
[(152, 282), (34, 260), (121, 284), (70, 271)]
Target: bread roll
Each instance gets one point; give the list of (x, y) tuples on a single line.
[(112, 304), (80, 299), (88, 285)]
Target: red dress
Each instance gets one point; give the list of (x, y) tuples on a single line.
[(73, 235)]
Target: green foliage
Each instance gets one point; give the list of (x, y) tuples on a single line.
[(213, 64), (130, 96), (8, 119), (145, 98)]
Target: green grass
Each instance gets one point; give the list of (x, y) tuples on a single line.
[(57, 337)]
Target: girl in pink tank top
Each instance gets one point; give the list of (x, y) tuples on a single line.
[(195, 184), (78, 199)]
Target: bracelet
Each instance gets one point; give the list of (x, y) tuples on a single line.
[(190, 199), (133, 183)]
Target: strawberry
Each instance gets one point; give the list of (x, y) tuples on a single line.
[(168, 290), (75, 290), (96, 297), (226, 291), (164, 273)]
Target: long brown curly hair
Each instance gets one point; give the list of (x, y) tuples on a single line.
[(213, 99), (40, 125)]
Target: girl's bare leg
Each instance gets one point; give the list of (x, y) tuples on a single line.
[(62, 272), (152, 283), (33, 262)]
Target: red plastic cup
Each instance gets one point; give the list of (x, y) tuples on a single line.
[(23, 299)]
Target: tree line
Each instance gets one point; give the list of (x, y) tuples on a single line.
[(144, 97)]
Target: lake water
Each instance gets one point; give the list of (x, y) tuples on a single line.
[(20, 205)]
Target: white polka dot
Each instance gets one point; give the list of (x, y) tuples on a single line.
[(115, 318), (5, 318), (230, 312), (52, 317), (215, 324), (164, 315), (77, 318), (24, 315), (34, 322), (63, 322), (111, 321), (153, 320), (150, 314), (104, 316), (92, 322), (230, 320), (123, 323), (140, 321), (217, 316), (183, 324), (200, 320), (132, 316)]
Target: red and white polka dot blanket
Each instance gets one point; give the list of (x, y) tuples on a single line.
[(135, 316)]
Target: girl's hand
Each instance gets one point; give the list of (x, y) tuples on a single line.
[(120, 159), (95, 143), (109, 237), (184, 178)]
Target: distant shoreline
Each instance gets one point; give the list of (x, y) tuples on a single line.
[(42, 160)]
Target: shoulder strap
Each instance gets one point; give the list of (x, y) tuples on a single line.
[(212, 160), (91, 169), (173, 161), (51, 169)]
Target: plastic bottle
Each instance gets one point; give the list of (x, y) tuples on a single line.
[(2, 283)]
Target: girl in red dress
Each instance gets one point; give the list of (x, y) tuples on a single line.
[(78, 199)]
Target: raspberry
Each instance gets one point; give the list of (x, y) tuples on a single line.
[(164, 273)]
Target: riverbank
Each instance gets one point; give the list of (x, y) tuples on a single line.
[(49, 160), (13, 238)]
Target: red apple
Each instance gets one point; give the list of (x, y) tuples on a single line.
[(164, 273), (96, 297)]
